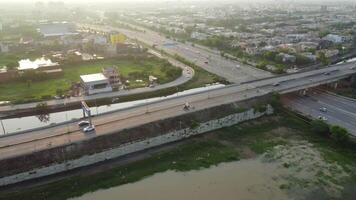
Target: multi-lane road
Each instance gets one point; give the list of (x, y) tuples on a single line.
[(14, 145), (211, 61), (332, 108)]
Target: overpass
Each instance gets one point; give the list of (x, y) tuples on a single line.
[(19, 144)]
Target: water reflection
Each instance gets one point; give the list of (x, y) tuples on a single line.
[(246, 179)]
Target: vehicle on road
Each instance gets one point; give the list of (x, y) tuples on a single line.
[(89, 129), (322, 118), (353, 67), (326, 73), (206, 62), (276, 84), (187, 106), (323, 109), (83, 123)]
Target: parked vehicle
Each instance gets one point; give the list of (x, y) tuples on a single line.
[(83, 123)]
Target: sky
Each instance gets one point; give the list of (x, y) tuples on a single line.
[(176, 1)]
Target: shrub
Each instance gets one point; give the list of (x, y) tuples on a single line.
[(339, 134), (320, 127)]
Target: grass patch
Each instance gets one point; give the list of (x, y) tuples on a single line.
[(129, 69), (191, 156)]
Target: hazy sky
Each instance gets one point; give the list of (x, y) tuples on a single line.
[(175, 1)]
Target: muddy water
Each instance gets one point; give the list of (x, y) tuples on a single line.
[(247, 179), (295, 171)]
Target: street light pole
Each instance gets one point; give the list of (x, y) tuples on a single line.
[(65, 103)]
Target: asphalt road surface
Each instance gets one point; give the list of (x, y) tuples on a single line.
[(26, 143), (334, 109), (209, 60)]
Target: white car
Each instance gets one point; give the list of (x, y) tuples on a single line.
[(83, 123), (322, 118), (323, 109), (89, 129)]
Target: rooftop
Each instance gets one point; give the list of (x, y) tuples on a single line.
[(93, 78)]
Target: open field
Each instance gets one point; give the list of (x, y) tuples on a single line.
[(131, 70), (282, 139)]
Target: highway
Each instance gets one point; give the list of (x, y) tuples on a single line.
[(13, 145), (339, 110), (209, 60)]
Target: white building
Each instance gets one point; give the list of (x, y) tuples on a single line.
[(199, 36), (337, 39), (95, 83)]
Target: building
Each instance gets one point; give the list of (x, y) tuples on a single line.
[(57, 29), (287, 58), (95, 83), (113, 75), (336, 39)]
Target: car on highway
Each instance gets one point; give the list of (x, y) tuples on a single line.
[(89, 129), (276, 84), (327, 73), (83, 123), (353, 67), (322, 118), (323, 109)]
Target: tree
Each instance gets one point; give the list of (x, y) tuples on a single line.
[(339, 134), (323, 59), (320, 127), (11, 66), (59, 92)]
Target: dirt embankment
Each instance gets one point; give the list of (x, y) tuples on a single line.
[(101, 143)]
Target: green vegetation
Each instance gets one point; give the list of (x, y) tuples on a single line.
[(320, 127), (224, 145), (191, 156), (339, 134), (11, 59), (31, 89)]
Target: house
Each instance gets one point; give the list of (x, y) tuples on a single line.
[(336, 39), (113, 76), (198, 36), (95, 83), (287, 58), (57, 29)]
